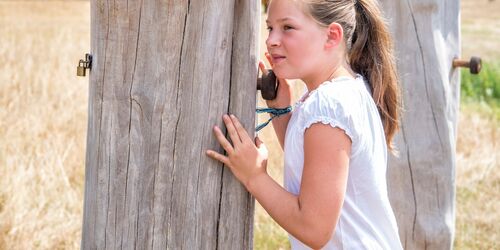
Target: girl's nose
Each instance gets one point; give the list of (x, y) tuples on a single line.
[(272, 41)]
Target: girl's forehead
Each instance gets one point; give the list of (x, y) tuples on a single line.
[(290, 9)]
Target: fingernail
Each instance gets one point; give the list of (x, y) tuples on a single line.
[(232, 116)]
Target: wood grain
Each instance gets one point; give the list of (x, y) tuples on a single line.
[(422, 179), (163, 74)]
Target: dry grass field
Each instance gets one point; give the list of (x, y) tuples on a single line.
[(43, 120)]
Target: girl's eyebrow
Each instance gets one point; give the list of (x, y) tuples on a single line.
[(280, 20)]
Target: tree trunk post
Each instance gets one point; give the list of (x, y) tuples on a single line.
[(163, 73), (422, 179)]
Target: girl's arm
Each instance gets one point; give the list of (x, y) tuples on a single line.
[(312, 215)]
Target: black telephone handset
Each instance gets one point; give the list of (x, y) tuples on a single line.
[(268, 85)]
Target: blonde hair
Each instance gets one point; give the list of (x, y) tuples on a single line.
[(369, 51)]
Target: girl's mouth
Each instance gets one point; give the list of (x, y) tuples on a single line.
[(278, 58)]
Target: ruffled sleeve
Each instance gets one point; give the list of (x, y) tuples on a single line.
[(329, 110)]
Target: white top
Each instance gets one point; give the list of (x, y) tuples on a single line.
[(366, 219)]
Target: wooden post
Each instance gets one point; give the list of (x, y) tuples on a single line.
[(163, 73), (422, 179)]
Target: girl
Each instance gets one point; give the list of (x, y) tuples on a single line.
[(336, 139)]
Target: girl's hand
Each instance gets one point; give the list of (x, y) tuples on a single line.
[(284, 95), (244, 158)]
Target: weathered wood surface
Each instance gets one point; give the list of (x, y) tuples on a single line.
[(163, 74), (422, 179)]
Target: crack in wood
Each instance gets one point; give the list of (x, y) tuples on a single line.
[(179, 114), (136, 224), (109, 181), (157, 167), (100, 124), (408, 159), (426, 81), (437, 194), (123, 203)]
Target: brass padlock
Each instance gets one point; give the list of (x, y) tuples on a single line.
[(80, 70), (83, 65)]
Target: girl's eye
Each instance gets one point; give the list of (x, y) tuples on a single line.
[(287, 27), (269, 28)]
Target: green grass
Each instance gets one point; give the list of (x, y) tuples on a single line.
[(482, 90), (478, 180)]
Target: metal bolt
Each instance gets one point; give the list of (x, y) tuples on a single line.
[(474, 64)]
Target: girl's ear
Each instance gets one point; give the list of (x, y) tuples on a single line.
[(335, 34)]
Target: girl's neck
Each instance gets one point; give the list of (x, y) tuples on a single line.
[(339, 70)]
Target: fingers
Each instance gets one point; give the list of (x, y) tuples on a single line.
[(236, 132), (269, 58), (231, 130), (258, 142), (226, 145), (261, 147), (240, 129), (216, 156), (262, 67)]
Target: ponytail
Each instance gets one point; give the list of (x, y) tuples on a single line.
[(371, 55), (369, 51)]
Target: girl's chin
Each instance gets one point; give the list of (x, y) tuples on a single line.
[(283, 73)]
